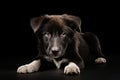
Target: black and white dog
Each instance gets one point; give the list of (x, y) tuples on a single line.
[(62, 44)]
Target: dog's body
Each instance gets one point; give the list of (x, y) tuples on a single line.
[(62, 44)]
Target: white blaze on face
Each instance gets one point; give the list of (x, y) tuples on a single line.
[(55, 46)]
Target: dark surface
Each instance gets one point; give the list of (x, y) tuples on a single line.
[(109, 71)]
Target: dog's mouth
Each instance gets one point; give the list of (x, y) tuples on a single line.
[(54, 51), (55, 54)]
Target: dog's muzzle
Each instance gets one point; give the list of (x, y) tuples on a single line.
[(55, 51)]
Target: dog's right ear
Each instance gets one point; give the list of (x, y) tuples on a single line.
[(36, 22), (73, 22)]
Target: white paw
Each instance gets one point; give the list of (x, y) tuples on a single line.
[(29, 68), (71, 68), (100, 60), (26, 69)]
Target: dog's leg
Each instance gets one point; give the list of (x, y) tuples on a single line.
[(95, 47), (29, 68)]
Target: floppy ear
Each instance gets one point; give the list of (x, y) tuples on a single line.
[(73, 22), (36, 22)]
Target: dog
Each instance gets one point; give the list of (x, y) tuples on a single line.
[(62, 44)]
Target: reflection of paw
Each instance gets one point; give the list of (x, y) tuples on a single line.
[(100, 60), (29, 68), (71, 68)]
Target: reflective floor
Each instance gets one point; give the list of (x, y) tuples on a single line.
[(109, 71)]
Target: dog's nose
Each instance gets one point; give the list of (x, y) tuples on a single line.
[(55, 50)]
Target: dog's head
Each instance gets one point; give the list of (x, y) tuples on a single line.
[(55, 32)]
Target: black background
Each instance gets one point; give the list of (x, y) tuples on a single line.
[(17, 38)]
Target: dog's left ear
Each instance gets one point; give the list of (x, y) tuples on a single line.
[(73, 22)]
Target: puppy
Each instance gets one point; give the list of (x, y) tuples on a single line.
[(62, 45)]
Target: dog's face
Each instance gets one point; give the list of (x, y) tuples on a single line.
[(56, 37), (55, 32)]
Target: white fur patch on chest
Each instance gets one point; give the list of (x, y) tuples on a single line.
[(57, 63)]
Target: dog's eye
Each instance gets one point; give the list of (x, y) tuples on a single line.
[(47, 34), (63, 35)]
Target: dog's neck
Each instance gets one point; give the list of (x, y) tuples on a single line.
[(56, 62)]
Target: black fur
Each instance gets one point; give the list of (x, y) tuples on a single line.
[(72, 44)]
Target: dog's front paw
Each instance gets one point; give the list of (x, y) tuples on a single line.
[(26, 69), (71, 68), (29, 68), (100, 60), (23, 69)]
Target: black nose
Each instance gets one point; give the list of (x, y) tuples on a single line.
[(55, 53)]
